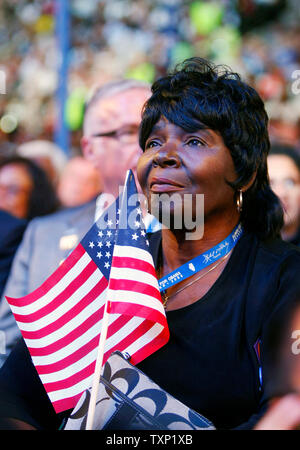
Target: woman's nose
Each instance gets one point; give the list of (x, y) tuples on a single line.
[(166, 156)]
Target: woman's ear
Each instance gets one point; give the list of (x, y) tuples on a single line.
[(86, 147), (249, 184)]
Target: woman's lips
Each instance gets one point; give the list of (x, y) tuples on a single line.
[(164, 188), (164, 185)]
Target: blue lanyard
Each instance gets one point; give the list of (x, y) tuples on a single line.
[(201, 261)]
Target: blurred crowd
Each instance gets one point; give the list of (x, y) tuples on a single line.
[(142, 39)]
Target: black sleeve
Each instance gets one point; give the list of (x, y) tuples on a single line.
[(285, 294), (22, 395), (10, 238)]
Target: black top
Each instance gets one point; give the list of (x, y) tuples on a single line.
[(11, 232), (210, 362)]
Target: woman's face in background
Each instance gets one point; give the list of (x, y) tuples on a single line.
[(285, 182), (15, 188)]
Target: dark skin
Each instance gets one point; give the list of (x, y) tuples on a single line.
[(176, 161), (15, 424)]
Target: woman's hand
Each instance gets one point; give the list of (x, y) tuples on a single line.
[(283, 414), (14, 424)]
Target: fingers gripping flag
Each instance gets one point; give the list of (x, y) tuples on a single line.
[(61, 320)]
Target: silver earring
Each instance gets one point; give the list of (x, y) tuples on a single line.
[(239, 202)]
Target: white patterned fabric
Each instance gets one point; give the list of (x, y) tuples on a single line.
[(128, 400)]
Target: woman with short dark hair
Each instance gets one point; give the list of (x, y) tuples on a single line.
[(284, 174), (26, 191), (200, 94), (204, 131)]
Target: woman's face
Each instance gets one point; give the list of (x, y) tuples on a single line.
[(15, 189), (285, 182), (176, 161)]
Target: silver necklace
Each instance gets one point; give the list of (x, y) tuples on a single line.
[(166, 297)]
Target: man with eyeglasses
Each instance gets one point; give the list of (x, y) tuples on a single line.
[(111, 122), (110, 142)]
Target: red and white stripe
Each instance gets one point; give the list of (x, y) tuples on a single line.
[(61, 320), (133, 291)]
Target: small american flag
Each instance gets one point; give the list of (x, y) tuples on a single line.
[(61, 320)]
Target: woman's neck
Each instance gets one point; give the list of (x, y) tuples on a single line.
[(288, 232), (177, 250)]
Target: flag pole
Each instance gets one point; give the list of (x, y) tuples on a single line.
[(100, 353), (97, 373)]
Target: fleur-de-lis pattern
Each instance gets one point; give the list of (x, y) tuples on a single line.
[(128, 400)]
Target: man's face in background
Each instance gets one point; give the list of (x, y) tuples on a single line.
[(110, 138)]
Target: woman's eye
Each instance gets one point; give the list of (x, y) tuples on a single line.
[(151, 144), (195, 142)]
